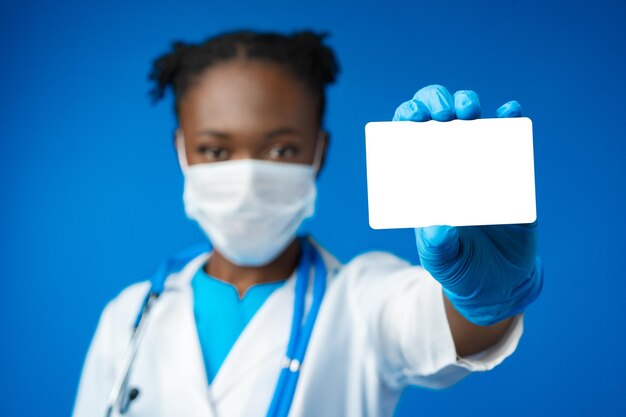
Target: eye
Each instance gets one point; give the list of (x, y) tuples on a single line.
[(213, 153), (283, 152)]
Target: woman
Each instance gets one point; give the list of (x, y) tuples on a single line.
[(268, 322)]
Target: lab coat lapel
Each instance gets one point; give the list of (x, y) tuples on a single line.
[(182, 361), (265, 336)]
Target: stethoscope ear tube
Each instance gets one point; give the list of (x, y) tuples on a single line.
[(118, 397), (300, 332)]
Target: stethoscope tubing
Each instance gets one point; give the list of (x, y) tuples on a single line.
[(117, 398), (288, 381)]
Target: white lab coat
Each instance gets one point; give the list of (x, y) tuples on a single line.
[(382, 326)]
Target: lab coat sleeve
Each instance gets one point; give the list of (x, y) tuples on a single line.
[(406, 324), (106, 352)]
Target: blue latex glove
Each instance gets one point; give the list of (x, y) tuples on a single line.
[(488, 273)]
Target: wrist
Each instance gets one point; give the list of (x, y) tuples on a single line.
[(485, 309)]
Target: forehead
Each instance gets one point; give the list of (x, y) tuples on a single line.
[(244, 90)]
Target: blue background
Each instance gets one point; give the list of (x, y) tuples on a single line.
[(91, 192)]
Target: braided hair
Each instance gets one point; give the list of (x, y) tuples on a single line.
[(302, 53)]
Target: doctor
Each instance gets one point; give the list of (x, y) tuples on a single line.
[(268, 322)]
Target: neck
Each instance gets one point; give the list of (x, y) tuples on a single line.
[(243, 277)]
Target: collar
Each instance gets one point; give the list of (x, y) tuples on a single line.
[(182, 279)]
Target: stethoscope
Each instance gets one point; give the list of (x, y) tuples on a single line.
[(121, 397)]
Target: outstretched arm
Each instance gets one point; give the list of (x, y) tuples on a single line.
[(489, 274), (470, 338)]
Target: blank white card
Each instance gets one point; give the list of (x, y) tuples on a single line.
[(456, 173)]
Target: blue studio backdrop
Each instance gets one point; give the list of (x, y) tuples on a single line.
[(91, 191)]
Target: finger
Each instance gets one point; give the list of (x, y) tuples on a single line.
[(509, 109), (466, 105), (437, 246), (412, 110), (438, 101)]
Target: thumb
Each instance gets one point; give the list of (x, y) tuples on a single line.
[(438, 246)]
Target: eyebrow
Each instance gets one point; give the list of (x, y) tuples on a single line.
[(215, 133), (270, 135)]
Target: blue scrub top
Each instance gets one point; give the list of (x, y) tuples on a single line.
[(221, 315)]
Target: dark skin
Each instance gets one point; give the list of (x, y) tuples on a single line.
[(252, 109), (245, 109)]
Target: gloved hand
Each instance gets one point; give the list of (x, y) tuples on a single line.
[(488, 273)]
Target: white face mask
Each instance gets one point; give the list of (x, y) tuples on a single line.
[(250, 209)]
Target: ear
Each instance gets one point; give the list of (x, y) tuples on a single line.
[(177, 132), (324, 138), (178, 143)]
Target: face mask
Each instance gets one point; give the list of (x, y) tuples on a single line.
[(250, 209)]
